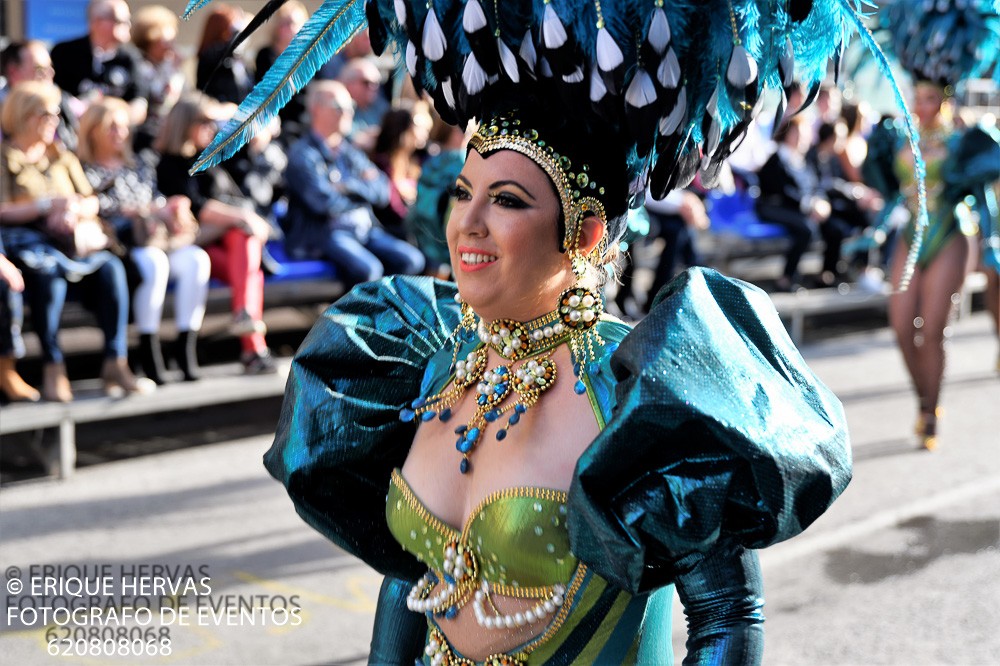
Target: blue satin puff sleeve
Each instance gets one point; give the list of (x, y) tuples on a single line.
[(721, 437), (339, 435)]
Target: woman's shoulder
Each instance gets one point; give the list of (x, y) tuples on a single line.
[(720, 431)]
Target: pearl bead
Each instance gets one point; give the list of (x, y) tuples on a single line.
[(574, 315), (558, 328), (529, 616), (516, 344), (559, 589), (549, 606), (548, 331), (460, 365), (588, 301), (508, 350), (519, 619), (588, 315), (488, 622), (574, 301), (538, 334), (495, 340)]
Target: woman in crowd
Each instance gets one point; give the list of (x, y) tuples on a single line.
[(160, 233), (232, 80), (231, 232), (394, 153), (51, 228), (154, 31), (287, 21)]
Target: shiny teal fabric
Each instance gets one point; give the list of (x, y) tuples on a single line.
[(717, 439), (720, 432)]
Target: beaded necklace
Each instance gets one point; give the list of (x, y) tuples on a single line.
[(513, 386)]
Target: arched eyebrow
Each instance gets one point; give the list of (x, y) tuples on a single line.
[(500, 183)]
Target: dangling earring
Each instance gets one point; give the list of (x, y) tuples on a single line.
[(579, 309)]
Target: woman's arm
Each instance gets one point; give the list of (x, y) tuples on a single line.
[(723, 601), (219, 214), (399, 633)]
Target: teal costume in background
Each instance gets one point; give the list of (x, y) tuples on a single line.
[(718, 439)]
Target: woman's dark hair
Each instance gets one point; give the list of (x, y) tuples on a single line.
[(220, 27), (395, 124), (851, 114)]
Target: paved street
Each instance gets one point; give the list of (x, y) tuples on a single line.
[(903, 569)]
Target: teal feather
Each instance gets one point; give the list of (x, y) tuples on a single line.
[(919, 167), (192, 7), (326, 32)]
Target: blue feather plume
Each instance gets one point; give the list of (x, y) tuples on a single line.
[(911, 134), (326, 32), (193, 6)]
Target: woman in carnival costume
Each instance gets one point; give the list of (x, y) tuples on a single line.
[(552, 474), (941, 44)]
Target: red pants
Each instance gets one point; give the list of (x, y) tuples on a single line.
[(236, 261)]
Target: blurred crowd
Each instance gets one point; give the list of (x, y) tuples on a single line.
[(98, 204)]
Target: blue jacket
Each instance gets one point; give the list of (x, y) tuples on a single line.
[(329, 190)]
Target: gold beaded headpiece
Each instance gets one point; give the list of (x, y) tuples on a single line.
[(579, 194)]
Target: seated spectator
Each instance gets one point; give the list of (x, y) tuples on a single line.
[(336, 186), (426, 218), (394, 153), (103, 62), (30, 61), (287, 21), (233, 79), (854, 150), (851, 202), (259, 169), (363, 80), (50, 228), (790, 196), (154, 30), (230, 230), (160, 235), (13, 388)]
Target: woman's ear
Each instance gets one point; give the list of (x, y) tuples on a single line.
[(592, 230)]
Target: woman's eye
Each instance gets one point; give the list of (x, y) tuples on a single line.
[(460, 193), (507, 200)]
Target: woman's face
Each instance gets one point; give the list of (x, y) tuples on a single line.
[(41, 125), (927, 101), (503, 237), (201, 132), (111, 139), (163, 49)]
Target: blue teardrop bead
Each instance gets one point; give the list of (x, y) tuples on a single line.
[(491, 415), (580, 387), (514, 418), (427, 416), (448, 579), (520, 409), (501, 434), (418, 403), (460, 430), (445, 414), (463, 466), (406, 415), (472, 435), (451, 613), (465, 446)]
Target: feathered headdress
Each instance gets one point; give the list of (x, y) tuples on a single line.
[(942, 41), (676, 81)]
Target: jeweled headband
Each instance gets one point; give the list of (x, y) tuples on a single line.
[(579, 193)]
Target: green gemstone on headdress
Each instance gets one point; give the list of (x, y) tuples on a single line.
[(531, 135), (593, 184), (582, 179), (564, 162), (601, 190), (493, 129)]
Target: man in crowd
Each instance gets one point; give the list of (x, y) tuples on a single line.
[(334, 187), (30, 61), (102, 62), (363, 80)]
